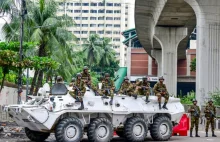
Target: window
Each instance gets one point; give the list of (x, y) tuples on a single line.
[(70, 11), (100, 32), (92, 25), (93, 4), (115, 47), (84, 25), (108, 25), (116, 39), (117, 25), (92, 32), (61, 3), (109, 11), (85, 4), (109, 4), (108, 32), (77, 4), (116, 32), (109, 18), (93, 11), (126, 7), (126, 25), (126, 19), (77, 11), (71, 4), (77, 18), (126, 13), (101, 11), (100, 25), (117, 4), (77, 25), (84, 32), (92, 18), (117, 18), (76, 32), (117, 11), (101, 4), (84, 39), (101, 18), (85, 11), (84, 18)]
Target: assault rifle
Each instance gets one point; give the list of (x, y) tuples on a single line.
[(77, 92), (212, 114), (196, 113), (162, 91)]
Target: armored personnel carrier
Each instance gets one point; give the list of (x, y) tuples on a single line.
[(131, 118)]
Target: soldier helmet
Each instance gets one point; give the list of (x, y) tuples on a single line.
[(107, 75), (161, 78), (59, 79), (210, 101), (78, 75), (85, 68), (126, 78), (73, 79), (194, 100), (145, 77)]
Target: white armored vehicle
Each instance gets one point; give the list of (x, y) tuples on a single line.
[(131, 118)]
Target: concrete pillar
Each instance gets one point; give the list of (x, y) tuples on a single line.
[(170, 38), (208, 47), (157, 54), (129, 62), (149, 65)]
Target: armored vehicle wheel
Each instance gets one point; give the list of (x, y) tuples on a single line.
[(69, 130), (161, 129), (135, 129), (120, 132), (36, 136), (100, 130)]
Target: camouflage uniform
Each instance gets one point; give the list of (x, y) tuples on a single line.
[(126, 88), (86, 78), (108, 85), (143, 88), (210, 119), (194, 110)]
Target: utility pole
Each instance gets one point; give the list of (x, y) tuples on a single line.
[(23, 13)]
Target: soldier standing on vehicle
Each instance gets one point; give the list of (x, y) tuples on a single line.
[(143, 88), (210, 114), (86, 76), (126, 87), (78, 90), (195, 114), (108, 87), (160, 90)]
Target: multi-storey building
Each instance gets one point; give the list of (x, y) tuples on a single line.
[(107, 18)]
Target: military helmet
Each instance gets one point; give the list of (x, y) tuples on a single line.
[(126, 78), (194, 100), (73, 79), (145, 77), (59, 79), (107, 75), (85, 68), (78, 75), (210, 100), (161, 78)]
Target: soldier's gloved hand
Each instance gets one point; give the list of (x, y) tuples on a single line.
[(192, 110)]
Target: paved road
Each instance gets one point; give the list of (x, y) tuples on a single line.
[(117, 139)]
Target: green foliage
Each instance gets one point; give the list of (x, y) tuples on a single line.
[(215, 97), (193, 65), (187, 99), (15, 46)]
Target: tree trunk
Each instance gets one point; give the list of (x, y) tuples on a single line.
[(39, 81), (3, 80), (33, 83)]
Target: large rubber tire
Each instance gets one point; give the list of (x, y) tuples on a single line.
[(69, 130), (36, 136), (100, 130), (161, 129), (120, 132), (135, 129)]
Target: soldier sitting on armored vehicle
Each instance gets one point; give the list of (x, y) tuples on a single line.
[(79, 89), (108, 88), (59, 79), (143, 88), (126, 87), (160, 90), (86, 76)]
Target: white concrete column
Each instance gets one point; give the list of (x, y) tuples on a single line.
[(170, 38), (157, 54), (149, 65), (129, 62), (188, 63), (208, 47)]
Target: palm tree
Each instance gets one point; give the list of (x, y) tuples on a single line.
[(45, 27), (92, 49)]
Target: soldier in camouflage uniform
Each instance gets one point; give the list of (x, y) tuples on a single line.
[(59, 79), (78, 91), (210, 114), (160, 90), (126, 87), (143, 88), (86, 76), (195, 114), (108, 87)]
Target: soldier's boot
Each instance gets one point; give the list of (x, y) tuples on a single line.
[(159, 105), (213, 134), (197, 133), (164, 106), (104, 97), (206, 134), (191, 133), (147, 101), (135, 96), (111, 101), (82, 106), (77, 100)]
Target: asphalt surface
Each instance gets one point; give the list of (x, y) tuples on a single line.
[(202, 138)]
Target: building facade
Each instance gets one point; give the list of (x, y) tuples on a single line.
[(106, 18)]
